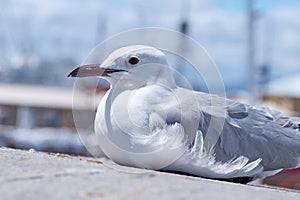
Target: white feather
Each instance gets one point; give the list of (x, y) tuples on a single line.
[(146, 121)]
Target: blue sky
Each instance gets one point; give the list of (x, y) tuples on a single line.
[(68, 28), (264, 5)]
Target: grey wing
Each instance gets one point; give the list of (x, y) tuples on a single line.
[(258, 133)]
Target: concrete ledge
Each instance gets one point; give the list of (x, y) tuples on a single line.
[(36, 175)]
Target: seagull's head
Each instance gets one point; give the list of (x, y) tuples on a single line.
[(122, 61)]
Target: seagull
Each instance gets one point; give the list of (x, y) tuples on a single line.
[(145, 120)]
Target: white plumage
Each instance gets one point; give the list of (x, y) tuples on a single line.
[(145, 120)]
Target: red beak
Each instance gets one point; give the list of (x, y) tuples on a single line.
[(92, 70)]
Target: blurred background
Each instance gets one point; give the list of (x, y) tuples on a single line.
[(254, 43)]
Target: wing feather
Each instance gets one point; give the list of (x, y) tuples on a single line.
[(255, 133)]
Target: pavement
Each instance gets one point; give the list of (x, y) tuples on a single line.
[(37, 175)]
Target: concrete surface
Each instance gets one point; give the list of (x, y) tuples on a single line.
[(36, 175)]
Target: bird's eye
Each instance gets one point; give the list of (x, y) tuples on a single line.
[(133, 60)]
